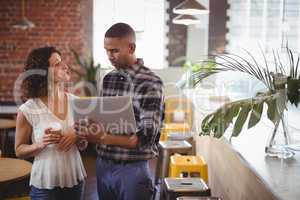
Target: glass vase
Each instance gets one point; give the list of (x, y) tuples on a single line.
[(280, 139)]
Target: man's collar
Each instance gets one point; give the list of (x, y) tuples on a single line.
[(134, 68)]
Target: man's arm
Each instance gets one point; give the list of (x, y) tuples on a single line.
[(100, 137), (129, 142), (151, 108)]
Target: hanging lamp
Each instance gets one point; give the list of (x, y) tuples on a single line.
[(24, 23), (186, 20), (190, 7)]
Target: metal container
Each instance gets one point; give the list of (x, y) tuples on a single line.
[(176, 187)]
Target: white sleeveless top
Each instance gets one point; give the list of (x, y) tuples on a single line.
[(51, 167)]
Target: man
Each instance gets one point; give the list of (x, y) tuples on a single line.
[(122, 163)]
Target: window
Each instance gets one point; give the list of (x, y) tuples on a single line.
[(269, 24), (147, 17)]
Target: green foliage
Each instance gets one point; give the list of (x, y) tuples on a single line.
[(206, 67), (237, 113), (88, 70), (255, 114), (196, 72), (293, 90)]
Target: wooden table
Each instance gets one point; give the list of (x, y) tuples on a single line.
[(5, 126), (13, 170)]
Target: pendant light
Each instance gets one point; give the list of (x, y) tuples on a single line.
[(186, 20), (190, 7), (24, 23)]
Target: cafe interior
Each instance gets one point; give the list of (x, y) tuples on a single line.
[(231, 91)]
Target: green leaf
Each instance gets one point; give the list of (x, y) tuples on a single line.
[(226, 117), (233, 111), (205, 124), (219, 121), (241, 119), (214, 123), (219, 127), (217, 124), (255, 114)]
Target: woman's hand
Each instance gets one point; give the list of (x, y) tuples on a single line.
[(67, 140)]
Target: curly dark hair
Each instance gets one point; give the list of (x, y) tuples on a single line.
[(36, 84)]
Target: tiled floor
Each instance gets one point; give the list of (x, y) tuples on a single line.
[(90, 192)]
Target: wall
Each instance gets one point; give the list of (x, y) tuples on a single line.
[(170, 76), (177, 37), (217, 26), (197, 37), (65, 24)]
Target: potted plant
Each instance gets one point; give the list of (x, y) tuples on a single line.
[(195, 72), (282, 85), (87, 73)]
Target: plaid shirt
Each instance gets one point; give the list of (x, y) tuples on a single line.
[(145, 88)]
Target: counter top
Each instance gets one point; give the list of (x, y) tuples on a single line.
[(280, 177)]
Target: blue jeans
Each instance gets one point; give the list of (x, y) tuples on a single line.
[(124, 181), (74, 193)]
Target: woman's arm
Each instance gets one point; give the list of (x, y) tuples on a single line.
[(23, 134)]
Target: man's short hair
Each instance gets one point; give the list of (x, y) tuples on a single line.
[(120, 30)]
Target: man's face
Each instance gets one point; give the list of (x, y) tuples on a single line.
[(118, 51)]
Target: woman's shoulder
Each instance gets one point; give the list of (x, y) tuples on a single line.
[(32, 106), (28, 104)]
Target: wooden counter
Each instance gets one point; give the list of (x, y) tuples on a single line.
[(240, 169), (246, 173)]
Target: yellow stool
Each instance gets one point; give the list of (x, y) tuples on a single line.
[(163, 135), (178, 107), (192, 166), (173, 127)]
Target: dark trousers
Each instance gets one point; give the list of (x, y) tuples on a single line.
[(124, 180), (57, 193)]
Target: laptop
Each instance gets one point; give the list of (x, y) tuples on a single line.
[(114, 113)]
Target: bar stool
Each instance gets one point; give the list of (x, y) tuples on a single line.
[(176, 187), (166, 149), (5, 126), (188, 166), (173, 127)]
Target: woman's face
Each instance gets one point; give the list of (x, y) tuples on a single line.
[(59, 70)]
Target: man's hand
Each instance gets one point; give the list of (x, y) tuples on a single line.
[(91, 131), (68, 140)]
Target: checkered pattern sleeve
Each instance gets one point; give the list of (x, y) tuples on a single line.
[(151, 110)]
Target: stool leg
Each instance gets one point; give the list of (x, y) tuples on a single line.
[(4, 137), (165, 164), (158, 168)]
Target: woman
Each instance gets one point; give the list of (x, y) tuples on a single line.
[(57, 170)]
